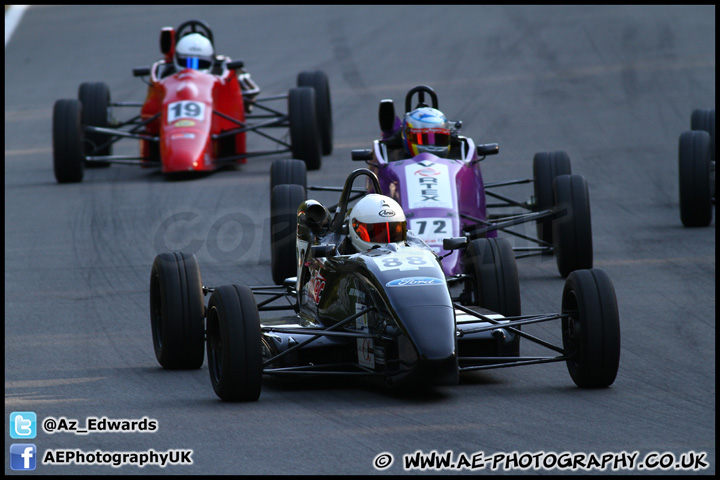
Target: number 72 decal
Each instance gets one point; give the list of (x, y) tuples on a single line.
[(432, 230), (186, 109)]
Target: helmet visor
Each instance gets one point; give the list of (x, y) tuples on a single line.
[(386, 232), (196, 63), (434, 137)]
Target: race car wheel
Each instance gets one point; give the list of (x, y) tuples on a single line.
[(305, 141), (95, 99), (68, 157), (177, 311), (234, 344), (288, 171), (572, 230), (547, 166), (284, 202), (695, 180), (704, 119), (591, 328), (323, 108), (492, 264)]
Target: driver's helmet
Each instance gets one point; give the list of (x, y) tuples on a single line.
[(194, 51), (376, 220), (426, 130)]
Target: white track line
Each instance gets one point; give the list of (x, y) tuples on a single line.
[(12, 18)]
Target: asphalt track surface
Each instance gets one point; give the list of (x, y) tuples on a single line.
[(614, 86)]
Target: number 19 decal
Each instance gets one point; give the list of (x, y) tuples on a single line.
[(186, 109)]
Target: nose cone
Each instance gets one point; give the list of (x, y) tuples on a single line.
[(184, 152), (431, 330)]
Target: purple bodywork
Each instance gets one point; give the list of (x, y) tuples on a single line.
[(435, 194)]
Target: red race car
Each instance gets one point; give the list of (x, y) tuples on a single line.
[(198, 110)]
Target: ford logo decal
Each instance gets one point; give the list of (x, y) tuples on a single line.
[(414, 282)]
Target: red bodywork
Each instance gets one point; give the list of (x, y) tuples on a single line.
[(187, 125)]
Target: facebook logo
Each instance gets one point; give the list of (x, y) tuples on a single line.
[(23, 425), (22, 456)]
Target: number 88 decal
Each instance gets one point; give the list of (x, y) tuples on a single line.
[(410, 262)]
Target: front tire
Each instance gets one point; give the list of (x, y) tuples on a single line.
[(234, 344), (591, 330), (68, 156), (177, 311), (572, 232), (305, 141)]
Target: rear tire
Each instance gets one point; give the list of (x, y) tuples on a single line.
[(323, 108), (68, 156), (177, 311), (95, 99), (288, 171), (234, 342), (304, 135), (547, 166), (592, 330), (572, 232), (695, 182), (492, 263), (284, 203), (704, 119)]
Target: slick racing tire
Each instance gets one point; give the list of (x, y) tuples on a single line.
[(591, 329), (288, 171), (305, 142), (547, 166), (695, 180), (704, 119), (68, 156), (234, 344), (318, 80), (572, 229), (177, 311), (95, 99), (284, 203), (492, 264)]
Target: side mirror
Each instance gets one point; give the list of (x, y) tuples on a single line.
[(323, 250), (455, 243), (141, 71), (361, 154), (167, 42), (235, 65), (488, 149), (386, 115)]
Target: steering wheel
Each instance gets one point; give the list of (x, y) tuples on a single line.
[(421, 90), (194, 26)]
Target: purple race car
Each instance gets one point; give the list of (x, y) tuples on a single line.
[(424, 164)]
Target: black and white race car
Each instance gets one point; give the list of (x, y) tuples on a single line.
[(385, 314)]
